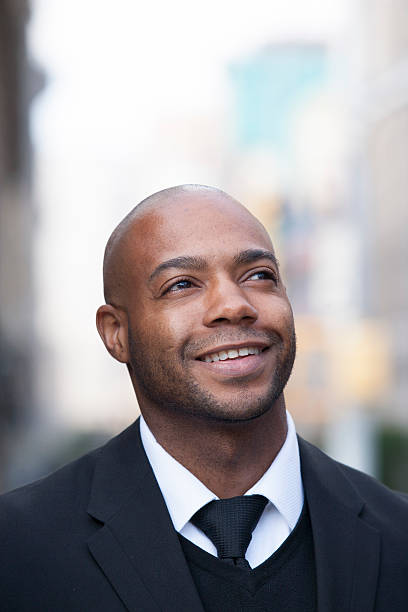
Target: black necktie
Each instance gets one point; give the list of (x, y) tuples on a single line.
[(229, 524)]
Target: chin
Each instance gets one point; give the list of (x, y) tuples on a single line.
[(235, 410)]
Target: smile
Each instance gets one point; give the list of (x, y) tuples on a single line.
[(232, 353), (243, 362)]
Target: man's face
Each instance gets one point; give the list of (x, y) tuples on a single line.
[(210, 327)]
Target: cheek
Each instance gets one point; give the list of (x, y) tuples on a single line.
[(280, 316), (176, 330), (145, 329), (166, 331)]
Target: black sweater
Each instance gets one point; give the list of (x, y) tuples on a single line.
[(285, 582)]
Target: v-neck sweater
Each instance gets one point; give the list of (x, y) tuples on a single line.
[(286, 581)]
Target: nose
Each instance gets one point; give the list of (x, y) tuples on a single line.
[(227, 303)]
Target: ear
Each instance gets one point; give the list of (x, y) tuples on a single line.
[(112, 327)]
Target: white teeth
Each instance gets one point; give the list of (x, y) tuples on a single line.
[(232, 354), (253, 351)]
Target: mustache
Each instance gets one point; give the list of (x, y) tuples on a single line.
[(203, 345)]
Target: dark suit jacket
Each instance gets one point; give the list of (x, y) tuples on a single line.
[(96, 536)]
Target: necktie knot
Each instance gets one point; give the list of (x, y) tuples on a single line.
[(229, 524)]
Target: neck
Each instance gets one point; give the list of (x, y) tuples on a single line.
[(229, 458)]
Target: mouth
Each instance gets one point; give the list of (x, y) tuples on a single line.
[(231, 353), (235, 361)]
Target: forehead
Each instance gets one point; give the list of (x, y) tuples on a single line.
[(208, 226)]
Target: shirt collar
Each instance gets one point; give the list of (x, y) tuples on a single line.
[(184, 494)]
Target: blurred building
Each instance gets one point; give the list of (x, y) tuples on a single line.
[(18, 83), (385, 100)]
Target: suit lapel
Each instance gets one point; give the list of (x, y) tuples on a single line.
[(137, 548), (347, 549)]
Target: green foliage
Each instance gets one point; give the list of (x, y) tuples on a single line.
[(393, 457)]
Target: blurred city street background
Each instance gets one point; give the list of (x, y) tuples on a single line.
[(297, 109)]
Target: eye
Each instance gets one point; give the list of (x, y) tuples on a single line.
[(263, 275), (179, 286)]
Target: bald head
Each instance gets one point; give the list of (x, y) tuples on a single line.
[(135, 228)]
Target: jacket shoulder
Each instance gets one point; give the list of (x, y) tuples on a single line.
[(371, 485), (377, 496), (67, 483), (70, 482), (381, 505)]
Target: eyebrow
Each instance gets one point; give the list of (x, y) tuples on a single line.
[(251, 255), (192, 262), (184, 262)]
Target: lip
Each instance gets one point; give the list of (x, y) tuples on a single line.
[(237, 345)]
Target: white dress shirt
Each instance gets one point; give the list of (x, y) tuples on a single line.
[(184, 495)]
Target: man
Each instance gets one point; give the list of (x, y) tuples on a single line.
[(196, 309)]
